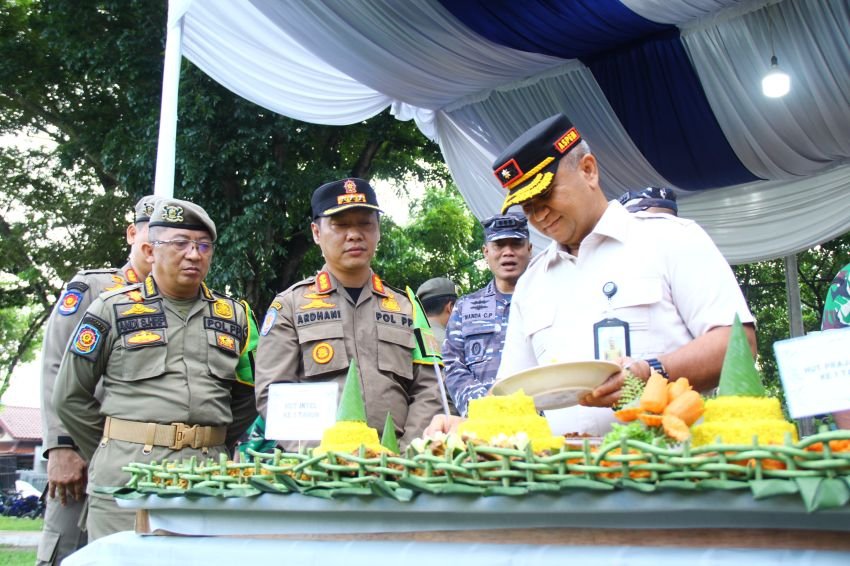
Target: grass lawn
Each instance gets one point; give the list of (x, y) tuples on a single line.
[(10, 556), (16, 524)]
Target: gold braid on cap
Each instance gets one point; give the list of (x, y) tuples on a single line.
[(536, 169), (531, 190)]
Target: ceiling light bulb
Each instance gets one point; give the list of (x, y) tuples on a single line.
[(776, 83)]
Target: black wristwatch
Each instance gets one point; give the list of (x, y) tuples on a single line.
[(656, 364)]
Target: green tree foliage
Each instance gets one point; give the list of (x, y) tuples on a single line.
[(84, 77), (763, 285), (443, 239)]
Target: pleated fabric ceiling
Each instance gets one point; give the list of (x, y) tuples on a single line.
[(666, 92)]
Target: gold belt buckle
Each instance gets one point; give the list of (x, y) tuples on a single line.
[(184, 436)]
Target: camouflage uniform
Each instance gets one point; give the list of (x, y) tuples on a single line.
[(836, 310), (475, 337), (62, 534)]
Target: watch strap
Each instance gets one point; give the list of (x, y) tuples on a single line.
[(656, 365)]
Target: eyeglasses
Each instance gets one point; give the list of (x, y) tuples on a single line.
[(204, 247)]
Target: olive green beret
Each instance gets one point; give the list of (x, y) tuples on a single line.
[(174, 213), (144, 208)]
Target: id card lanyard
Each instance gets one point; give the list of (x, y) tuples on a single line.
[(610, 335)]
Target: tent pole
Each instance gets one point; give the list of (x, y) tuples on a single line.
[(166, 148), (805, 425)]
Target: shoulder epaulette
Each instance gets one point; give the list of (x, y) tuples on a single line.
[(126, 289), (308, 281), (96, 271)]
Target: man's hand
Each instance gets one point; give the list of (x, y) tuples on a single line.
[(444, 424), (67, 474), (608, 393)]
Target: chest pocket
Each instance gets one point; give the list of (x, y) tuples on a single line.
[(478, 336), (632, 303), (395, 350), (322, 349), (142, 361), (223, 354)]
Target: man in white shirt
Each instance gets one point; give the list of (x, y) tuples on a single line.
[(661, 274)]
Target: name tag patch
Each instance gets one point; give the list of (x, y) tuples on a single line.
[(223, 326)]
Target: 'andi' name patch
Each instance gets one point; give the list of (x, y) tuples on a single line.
[(146, 322)]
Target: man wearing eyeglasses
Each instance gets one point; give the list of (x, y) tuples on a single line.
[(315, 328), (659, 274), (172, 357), (475, 334), (66, 469)]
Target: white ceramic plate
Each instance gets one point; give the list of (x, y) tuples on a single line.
[(555, 386)]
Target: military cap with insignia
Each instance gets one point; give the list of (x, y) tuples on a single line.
[(528, 165), (337, 196), (174, 213), (503, 226), (144, 208), (436, 287)]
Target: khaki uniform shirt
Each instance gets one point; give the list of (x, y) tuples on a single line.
[(156, 366), (313, 329), (78, 294)]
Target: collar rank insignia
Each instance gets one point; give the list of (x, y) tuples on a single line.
[(378, 285), (206, 291), (389, 303), (138, 309), (222, 309), (322, 353), (150, 286), (131, 275), (136, 296), (225, 341), (323, 282), (144, 337), (173, 213), (70, 302)]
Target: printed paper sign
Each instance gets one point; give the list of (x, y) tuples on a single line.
[(300, 411), (815, 372)]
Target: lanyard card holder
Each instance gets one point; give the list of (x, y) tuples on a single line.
[(611, 339)]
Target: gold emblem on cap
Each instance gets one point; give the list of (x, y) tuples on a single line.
[(172, 213), (350, 186), (222, 309), (323, 353), (138, 309), (149, 208)]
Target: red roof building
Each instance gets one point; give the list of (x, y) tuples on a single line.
[(20, 432)]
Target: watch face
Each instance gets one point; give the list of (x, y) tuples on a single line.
[(609, 289)]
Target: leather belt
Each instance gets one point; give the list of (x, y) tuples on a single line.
[(175, 436)]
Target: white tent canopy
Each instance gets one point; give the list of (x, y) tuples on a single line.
[(672, 87)]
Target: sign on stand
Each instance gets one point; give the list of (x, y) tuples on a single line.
[(815, 372), (300, 411)]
